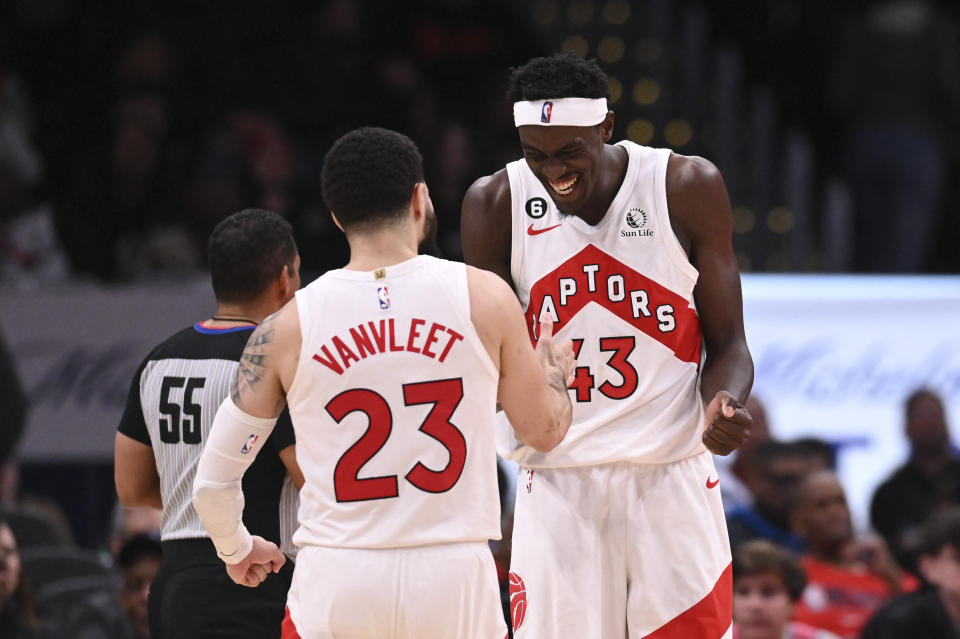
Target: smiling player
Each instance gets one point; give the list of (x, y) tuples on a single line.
[(629, 249)]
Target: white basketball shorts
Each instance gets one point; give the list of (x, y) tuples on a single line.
[(621, 550), (443, 591)]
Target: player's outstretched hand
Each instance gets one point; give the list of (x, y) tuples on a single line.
[(555, 356), (262, 560), (728, 424)]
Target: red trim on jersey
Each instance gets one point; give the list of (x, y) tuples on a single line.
[(288, 630), (683, 339), (709, 618)]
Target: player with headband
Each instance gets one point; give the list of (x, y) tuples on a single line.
[(629, 249)]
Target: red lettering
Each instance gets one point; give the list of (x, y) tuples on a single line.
[(381, 337), (328, 361), (393, 339), (345, 353), (414, 334), (454, 336), (362, 340), (431, 338)]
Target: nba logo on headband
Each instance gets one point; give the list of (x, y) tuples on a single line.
[(545, 112), (570, 112)]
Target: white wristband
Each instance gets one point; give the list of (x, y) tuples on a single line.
[(240, 541)]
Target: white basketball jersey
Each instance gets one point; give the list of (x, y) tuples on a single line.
[(623, 292), (393, 405)]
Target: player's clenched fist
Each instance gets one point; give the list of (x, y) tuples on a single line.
[(263, 559), (728, 424)]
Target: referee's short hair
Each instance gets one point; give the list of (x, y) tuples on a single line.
[(247, 251)]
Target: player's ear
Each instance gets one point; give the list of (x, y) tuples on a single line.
[(336, 221), (606, 127), (419, 200)]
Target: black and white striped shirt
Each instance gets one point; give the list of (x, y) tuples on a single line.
[(171, 405)]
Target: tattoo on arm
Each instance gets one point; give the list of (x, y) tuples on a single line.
[(253, 363)]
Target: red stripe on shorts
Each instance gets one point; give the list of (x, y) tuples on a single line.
[(288, 630), (709, 618)]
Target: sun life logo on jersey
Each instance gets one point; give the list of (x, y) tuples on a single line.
[(383, 295), (636, 219)]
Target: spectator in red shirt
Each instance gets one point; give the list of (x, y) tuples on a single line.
[(847, 578)]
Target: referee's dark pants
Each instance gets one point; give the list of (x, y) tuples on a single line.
[(192, 597)]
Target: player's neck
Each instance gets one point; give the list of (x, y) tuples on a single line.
[(371, 251)]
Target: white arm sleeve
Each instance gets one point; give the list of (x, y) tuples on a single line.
[(234, 441)]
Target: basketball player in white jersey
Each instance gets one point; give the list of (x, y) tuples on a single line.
[(254, 269), (391, 368), (629, 249)]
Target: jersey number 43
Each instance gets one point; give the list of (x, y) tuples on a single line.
[(444, 394)]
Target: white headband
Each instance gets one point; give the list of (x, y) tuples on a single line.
[(560, 112)]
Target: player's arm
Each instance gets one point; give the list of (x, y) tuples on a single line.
[(134, 466), (485, 225), (533, 383), (701, 214), (242, 424)]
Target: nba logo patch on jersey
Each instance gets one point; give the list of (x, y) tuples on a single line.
[(251, 440), (384, 296), (545, 112), (529, 480)]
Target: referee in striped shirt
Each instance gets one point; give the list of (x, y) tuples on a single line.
[(255, 270)]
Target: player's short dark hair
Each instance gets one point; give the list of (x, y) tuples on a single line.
[(247, 251), (760, 557), (137, 548), (369, 175), (562, 75), (941, 530)]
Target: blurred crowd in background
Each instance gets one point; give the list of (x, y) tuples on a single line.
[(128, 130)]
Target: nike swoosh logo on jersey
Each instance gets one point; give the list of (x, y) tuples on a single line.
[(533, 231), (712, 484)]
